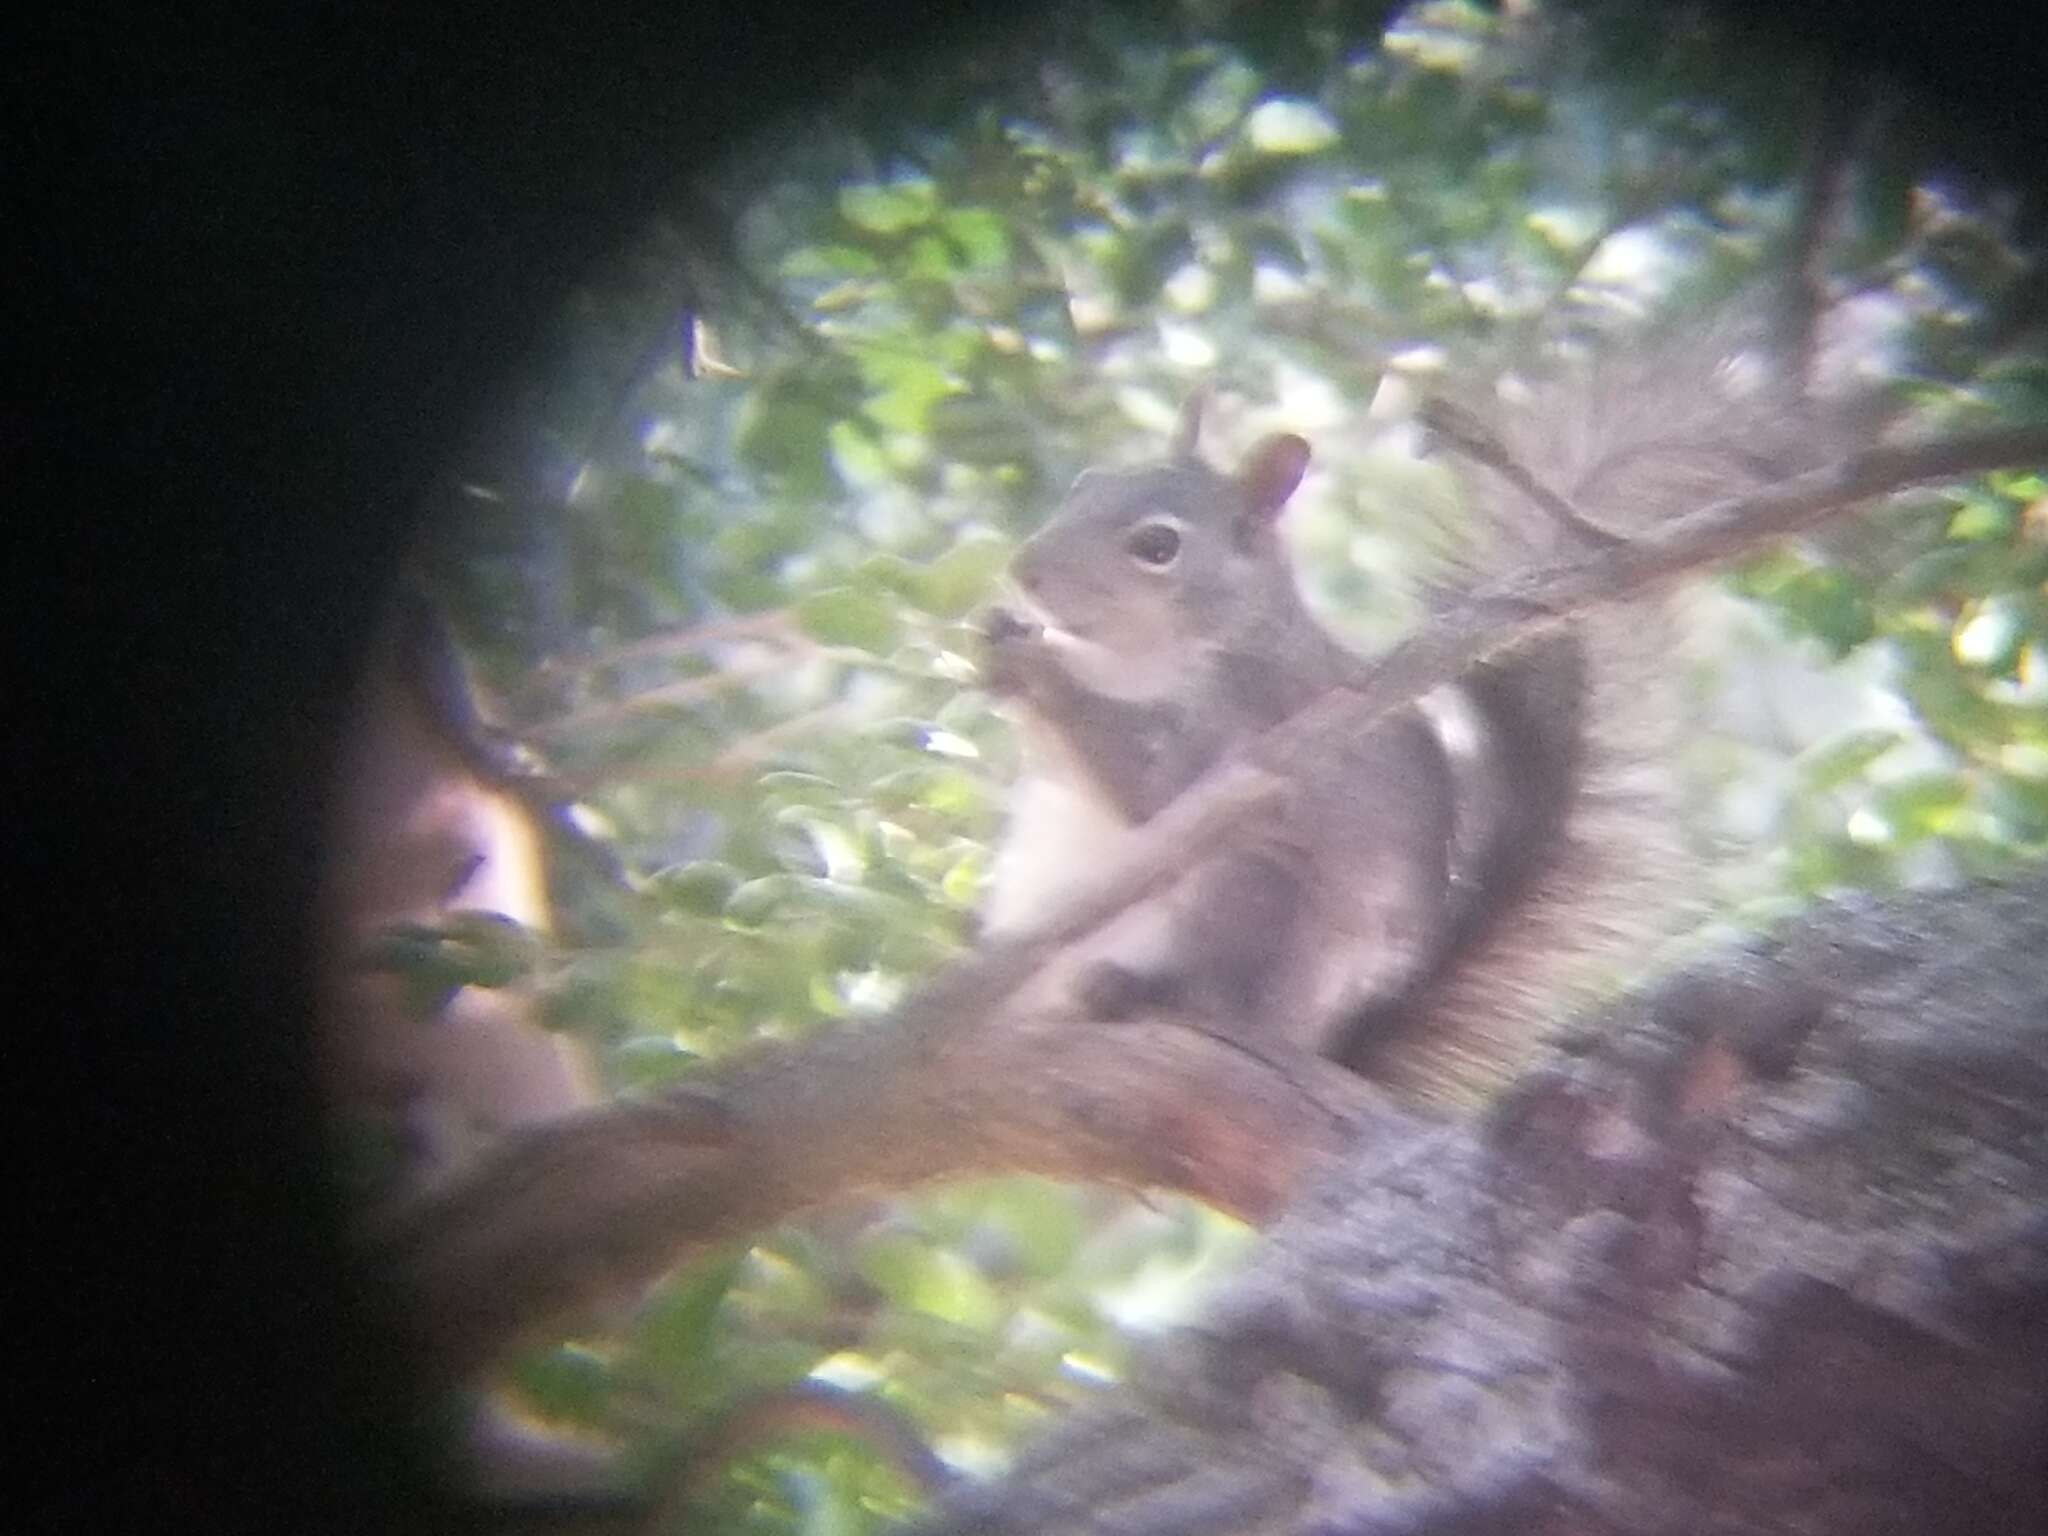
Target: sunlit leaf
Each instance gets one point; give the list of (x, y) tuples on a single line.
[(887, 208), (979, 233), (1924, 805), (962, 578), (934, 1281), (1991, 635), (849, 616), (1845, 758), (1289, 127), (1984, 517)]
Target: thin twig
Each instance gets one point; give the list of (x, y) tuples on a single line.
[(689, 690), (1466, 434), (1502, 612), (772, 624)]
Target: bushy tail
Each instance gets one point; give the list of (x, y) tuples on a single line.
[(1592, 869)]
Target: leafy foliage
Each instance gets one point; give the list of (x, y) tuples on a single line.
[(744, 634)]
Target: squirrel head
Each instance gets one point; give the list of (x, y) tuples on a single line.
[(1147, 561)]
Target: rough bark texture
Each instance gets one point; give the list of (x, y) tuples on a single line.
[(1765, 1249)]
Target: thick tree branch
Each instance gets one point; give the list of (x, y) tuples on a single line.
[(566, 1217), (1768, 1254)]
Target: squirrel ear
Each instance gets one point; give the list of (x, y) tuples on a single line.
[(1189, 426), (1271, 471)]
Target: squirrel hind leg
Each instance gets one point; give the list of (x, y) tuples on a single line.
[(1236, 918), (1210, 947)]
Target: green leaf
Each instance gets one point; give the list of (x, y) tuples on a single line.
[(570, 1383), (1992, 635), (849, 616), (888, 208), (784, 433), (1141, 260), (1289, 126), (702, 887), (1984, 517), (1923, 806), (1945, 695), (902, 731), (753, 904), (980, 431), (1217, 102), (963, 577), (466, 949), (646, 1060), (2019, 806), (905, 388), (932, 259), (674, 1330), (953, 794), (805, 788), (888, 575), (980, 234), (1836, 762), (1936, 574), (1042, 1223), (830, 262), (1828, 605), (934, 1281), (963, 883), (901, 789)]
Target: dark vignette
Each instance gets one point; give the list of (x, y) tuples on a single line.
[(279, 266)]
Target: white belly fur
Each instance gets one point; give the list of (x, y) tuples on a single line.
[(1060, 841)]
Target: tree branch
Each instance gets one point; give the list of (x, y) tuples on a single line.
[(1466, 434), (676, 695), (1844, 124), (569, 1216), (773, 623)]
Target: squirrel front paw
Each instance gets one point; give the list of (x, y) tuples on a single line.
[(1008, 644)]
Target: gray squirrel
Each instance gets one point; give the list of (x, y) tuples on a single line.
[(1436, 886)]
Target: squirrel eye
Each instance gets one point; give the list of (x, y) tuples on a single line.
[(1154, 544)]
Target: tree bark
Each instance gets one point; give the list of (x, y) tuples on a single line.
[(1763, 1249)]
